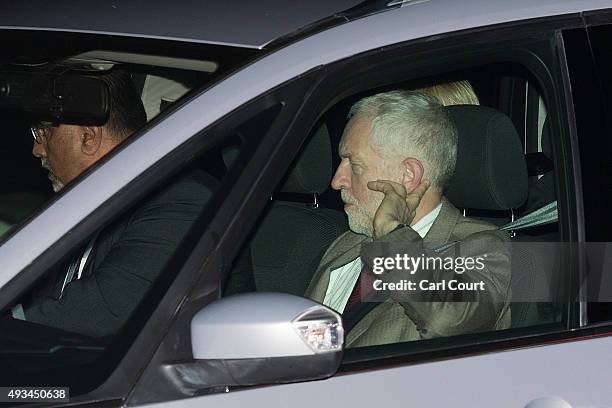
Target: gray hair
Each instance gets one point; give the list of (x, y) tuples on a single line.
[(412, 124)]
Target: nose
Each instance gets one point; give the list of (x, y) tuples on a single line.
[(38, 150), (342, 178)]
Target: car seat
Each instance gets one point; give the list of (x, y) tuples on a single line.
[(291, 237), (491, 175)]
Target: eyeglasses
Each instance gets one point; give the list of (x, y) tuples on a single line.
[(41, 131)]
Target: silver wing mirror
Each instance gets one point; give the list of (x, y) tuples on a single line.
[(260, 338)]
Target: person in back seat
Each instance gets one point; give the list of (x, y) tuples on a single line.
[(452, 93), (398, 151), (95, 293)]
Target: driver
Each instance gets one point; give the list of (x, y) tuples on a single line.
[(105, 280)]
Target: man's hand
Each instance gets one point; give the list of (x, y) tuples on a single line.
[(398, 207)]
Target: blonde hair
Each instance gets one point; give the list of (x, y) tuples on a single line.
[(452, 93)]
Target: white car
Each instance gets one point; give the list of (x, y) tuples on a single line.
[(255, 94)]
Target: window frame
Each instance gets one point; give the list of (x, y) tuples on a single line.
[(561, 111), (359, 359)]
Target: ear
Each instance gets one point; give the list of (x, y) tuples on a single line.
[(413, 172), (91, 139)]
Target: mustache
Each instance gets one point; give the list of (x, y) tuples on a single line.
[(56, 183), (347, 199), (45, 164)]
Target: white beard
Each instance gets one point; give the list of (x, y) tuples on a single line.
[(56, 184), (359, 220)]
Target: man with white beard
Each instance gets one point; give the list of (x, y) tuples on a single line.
[(398, 151), (96, 290)]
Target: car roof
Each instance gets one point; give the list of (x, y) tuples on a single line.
[(252, 24), (243, 23)]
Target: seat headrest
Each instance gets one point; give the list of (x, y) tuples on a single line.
[(491, 173), (312, 170)]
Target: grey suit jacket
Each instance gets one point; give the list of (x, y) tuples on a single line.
[(397, 320)]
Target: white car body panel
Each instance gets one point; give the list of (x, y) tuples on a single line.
[(508, 379)]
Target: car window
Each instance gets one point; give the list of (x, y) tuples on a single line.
[(596, 159), (300, 241), (54, 79), (93, 301), (82, 314)]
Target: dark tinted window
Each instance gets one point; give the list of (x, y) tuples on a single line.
[(163, 72), (591, 75)]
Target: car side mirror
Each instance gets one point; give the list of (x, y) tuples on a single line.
[(260, 338)]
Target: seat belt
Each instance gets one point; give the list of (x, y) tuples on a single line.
[(17, 312), (542, 216)]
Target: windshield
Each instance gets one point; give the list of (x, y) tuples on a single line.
[(59, 81)]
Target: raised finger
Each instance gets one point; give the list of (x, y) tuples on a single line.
[(387, 186)]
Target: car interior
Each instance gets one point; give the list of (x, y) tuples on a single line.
[(500, 177), (161, 81), (26, 191)]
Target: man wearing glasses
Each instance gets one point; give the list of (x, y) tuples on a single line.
[(105, 279), (67, 150)]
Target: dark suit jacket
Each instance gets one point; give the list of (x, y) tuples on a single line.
[(395, 320), (126, 258)]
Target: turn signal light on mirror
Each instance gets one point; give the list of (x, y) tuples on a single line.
[(323, 334)]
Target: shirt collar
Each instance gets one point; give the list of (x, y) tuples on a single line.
[(423, 225)]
